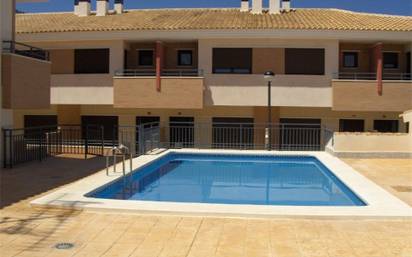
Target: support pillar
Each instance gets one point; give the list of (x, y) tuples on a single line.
[(159, 65), (379, 67)]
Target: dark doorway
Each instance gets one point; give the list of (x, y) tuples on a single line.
[(38, 125), (149, 120), (351, 125), (94, 124), (233, 133), (386, 126), (300, 134), (40, 121), (181, 131)]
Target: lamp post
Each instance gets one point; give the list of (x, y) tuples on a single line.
[(269, 76)]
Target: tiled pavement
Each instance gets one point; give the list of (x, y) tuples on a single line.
[(25, 231)]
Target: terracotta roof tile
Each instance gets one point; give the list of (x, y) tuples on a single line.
[(207, 19)]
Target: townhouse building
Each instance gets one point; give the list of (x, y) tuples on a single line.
[(344, 70)]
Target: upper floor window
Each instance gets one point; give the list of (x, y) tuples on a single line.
[(232, 60), (146, 57), (305, 61), (350, 59), (351, 125), (386, 126), (390, 60), (91, 61), (185, 58)]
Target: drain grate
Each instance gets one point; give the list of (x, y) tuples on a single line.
[(403, 189), (64, 246)]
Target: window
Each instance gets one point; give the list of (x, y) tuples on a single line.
[(350, 59), (40, 121), (94, 124), (390, 60), (146, 57), (301, 61), (386, 126), (233, 133), (91, 61), (351, 125), (185, 57), (232, 60), (45, 122)]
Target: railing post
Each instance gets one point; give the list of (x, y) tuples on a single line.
[(241, 136), (12, 47), (114, 136), (86, 142), (142, 143), (102, 138), (6, 135), (40, 145), (10, 134)]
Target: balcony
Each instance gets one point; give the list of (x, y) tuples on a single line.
[(358, 92), (180, 89), (25, 50), (25, 77)]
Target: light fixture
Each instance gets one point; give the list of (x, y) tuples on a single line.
[(269, 76)]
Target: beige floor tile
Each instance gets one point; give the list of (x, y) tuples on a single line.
[(93, 250), (120, 250)]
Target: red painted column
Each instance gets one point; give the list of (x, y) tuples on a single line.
[(379, 67), (159, 65)]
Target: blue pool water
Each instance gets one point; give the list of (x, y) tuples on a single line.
[(233, 179)]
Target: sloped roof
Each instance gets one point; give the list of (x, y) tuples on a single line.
[(212, 19)]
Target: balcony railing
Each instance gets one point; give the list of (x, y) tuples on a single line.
[(371, 76), (152, 73), (25, 50)]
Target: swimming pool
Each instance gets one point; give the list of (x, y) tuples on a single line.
[(233, 179)]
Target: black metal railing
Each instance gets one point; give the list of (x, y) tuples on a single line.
[(25, 50), (372, 76), (38, 143), (152, 73)]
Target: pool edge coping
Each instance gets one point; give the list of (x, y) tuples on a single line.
[(381, 203)]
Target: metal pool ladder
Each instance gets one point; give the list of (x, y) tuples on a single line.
[(119, 151)]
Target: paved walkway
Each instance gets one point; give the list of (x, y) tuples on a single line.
[(25, 231)]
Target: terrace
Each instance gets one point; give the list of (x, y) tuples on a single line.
[(31, 90), (359, 87), (26, 231), (159, 75)]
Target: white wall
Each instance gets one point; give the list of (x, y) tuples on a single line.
[(372, 142)]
